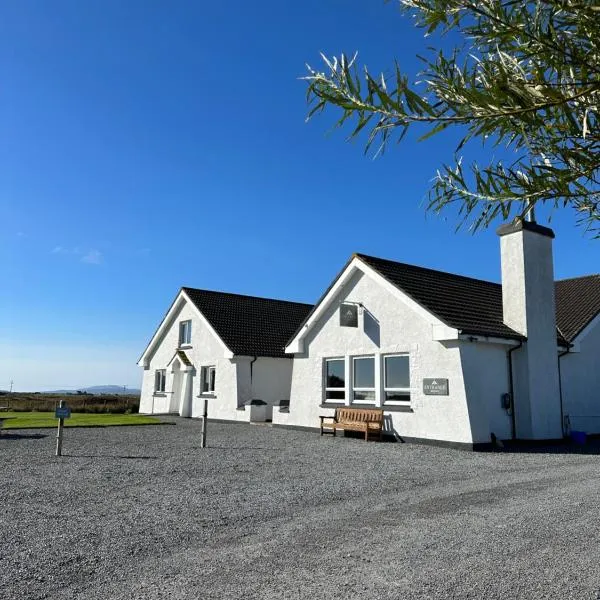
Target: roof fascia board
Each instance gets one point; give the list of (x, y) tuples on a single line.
[(576, 341), (175, 306), (296, 345), (443, 333), (489, 339)]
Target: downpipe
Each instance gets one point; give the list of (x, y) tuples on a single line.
[(511, 389)]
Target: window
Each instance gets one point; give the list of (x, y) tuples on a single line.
[(363, 380), (208, 380), (160, 377), (185, 332), (335, 380), (396, 379)]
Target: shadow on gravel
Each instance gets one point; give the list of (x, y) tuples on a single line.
[(261, 448), (22, 436), (592, 447), (109, 457)]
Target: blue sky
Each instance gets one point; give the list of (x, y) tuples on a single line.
[(147, 145)]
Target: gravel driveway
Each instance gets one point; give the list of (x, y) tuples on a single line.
[(145, 513)]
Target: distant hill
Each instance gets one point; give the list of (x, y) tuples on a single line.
[(117, 390)]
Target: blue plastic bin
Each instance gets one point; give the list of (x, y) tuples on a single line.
[(578, 437)]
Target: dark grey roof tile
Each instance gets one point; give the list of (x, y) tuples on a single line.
[(250, 326)]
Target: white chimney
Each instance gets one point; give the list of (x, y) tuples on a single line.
[(529, 308)]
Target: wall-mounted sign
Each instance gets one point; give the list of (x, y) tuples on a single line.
[(435, 387), (349, 315)]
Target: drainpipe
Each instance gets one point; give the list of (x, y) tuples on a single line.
[(513, 422), (560, 393), (252, 363)]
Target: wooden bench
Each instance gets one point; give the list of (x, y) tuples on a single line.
[(369, 420)]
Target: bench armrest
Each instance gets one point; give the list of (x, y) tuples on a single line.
[(323, 417)]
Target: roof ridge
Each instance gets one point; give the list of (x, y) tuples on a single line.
[(396, 262), (185, 287)]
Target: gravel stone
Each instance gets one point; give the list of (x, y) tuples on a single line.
[(144, 513)]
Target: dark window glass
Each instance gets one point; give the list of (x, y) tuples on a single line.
[(397, 396), (208, 379), (185, 332), (396, 372), (159, 380), (335, 395), (364, 372), (336, 377), (366, 396)]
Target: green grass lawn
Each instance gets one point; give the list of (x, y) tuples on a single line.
[(35, 420)]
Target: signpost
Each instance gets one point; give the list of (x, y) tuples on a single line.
[(435, 387), (62, 412)]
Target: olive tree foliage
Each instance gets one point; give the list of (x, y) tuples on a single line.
[(526, 77)]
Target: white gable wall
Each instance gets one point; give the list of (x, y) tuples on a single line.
[(205, 350), (396, 328), (236, 382), (580, 375)]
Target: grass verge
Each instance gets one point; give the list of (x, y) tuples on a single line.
[(40, 420)]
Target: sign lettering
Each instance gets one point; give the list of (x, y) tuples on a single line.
[(435, 387)]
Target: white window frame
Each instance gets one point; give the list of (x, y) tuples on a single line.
[(372, 402), (386, 389), (326, 389), (185, 327), (160, 381), (206, 378)]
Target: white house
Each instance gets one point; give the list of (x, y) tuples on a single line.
[(452, 359), (226, 348)]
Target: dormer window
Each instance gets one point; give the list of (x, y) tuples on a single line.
[(185, 333)]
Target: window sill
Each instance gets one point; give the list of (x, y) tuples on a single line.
[(206, 395), (284, 410), (332, 405), (385, 407), (160, 394), (184, 346)]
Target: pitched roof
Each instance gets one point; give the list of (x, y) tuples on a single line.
[(475, 306), (250, 326), (577, 303)]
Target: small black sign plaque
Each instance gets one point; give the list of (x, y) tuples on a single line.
[(435, 387), (349, 315)]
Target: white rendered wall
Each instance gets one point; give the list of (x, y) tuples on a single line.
[(486, 377), (205, 350), (580, 373), (400, 329), (271, 379), (529, 308)]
